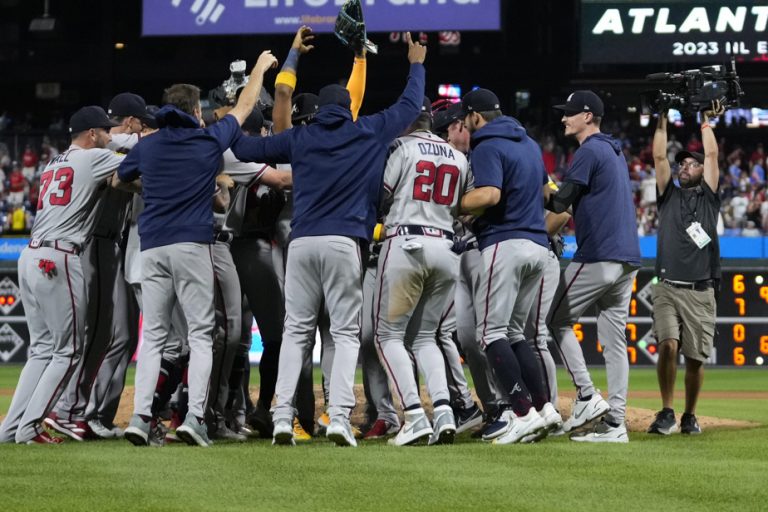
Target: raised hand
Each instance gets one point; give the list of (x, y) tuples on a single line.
[(303, 36), (265, 62), (416, 52)]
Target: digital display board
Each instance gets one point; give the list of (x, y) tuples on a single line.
[(741, 336), (685, 31), (208, 17)]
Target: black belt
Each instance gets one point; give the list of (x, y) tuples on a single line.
[(67, 247), (472, 245), (225, 236), (420, 230), (698, 286)]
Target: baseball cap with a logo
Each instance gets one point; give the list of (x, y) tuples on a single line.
[(479, 100), (305, 106), (582, 101), (426, 106), (128, 104), (89, 117)]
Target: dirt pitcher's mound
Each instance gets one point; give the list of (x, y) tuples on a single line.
[(638, 419)]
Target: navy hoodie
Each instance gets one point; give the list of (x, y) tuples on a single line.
[(338, 164), (604, 214), (178, 166), (505, 157)]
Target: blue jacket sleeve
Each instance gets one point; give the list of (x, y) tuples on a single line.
[(226, 131), (276, 149), (129, 167), (392, 122)]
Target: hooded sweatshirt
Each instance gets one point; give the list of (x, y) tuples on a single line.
[(338, 164), (505, 157), (604, 214), (178, 167)]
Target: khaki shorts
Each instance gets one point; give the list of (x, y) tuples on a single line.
[(687, 316)]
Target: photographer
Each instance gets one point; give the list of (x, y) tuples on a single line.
[(688, 266)]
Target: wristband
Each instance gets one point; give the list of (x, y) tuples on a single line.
[(286, 78), (705, 125)]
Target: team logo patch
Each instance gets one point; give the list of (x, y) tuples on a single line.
[(9, 295), (10, 343)]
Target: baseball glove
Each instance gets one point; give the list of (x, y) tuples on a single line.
[(350, 28)]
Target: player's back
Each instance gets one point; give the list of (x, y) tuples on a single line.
[(68, 186), (426, 178)]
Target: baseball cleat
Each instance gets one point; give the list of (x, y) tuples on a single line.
[(415, 428), (76, 430), (498, 425), (100, 431), (552, 423), (299, 434), (224, 432), (603, 432), (689, 425), (45, 438), (468, 418), (664, 423), (157, 434), (585, 411), (340, 432), (521, 426), (324, 420), (261, 420), (443, 427), (283, 432), (193, 432), (137, 432), (381, 428)]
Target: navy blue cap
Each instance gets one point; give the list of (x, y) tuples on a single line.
[(444, 118), (89, 117), (479, 100), (128, 104), (426, 106), (255, 121), (682, 155), (305, 105), (582, 101), (334, 95)]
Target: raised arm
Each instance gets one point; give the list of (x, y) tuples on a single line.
[(711, 165), (356, 84), (285, 83), (250, 94), (663, 171), (275, 149)]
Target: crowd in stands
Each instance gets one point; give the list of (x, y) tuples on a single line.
[(744, 209)]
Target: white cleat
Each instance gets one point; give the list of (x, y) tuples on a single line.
[(444, 426), (415, 428), (522, 426), (552, 422), (603, 433), (340, 432), (98, 428), (282, 433), (585, 411)]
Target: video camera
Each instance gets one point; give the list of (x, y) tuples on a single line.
[(693, 90), (227, 93)]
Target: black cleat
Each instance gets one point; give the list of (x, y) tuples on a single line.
[(689, 425), (664, 423)]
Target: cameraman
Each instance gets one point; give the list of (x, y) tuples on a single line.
[(688, 266)]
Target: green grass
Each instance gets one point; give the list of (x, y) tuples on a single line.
[(720, 470)]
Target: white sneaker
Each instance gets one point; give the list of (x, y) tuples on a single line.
[(552, 422), (603, 433), (585, 411), (98, 428), (416, 427), (443, 426), (340, 432), (522, 426), (283, 432)]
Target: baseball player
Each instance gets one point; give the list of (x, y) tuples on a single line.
[(51, 275), (509, 179), (603, 268), (337, 179), (101, 259), (425, 179), (176, 230)]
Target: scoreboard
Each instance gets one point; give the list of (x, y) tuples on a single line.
[(741, 336)]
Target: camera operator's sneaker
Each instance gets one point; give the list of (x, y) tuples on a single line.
[(443, 427), (584, 411), (193, 432), (415, 428), (282, 433), (603, 432), (521, 426), (340, 432), (467, 418), (689, 425), (664, 423)]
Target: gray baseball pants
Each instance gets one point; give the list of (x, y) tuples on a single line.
[(458, 387), (607, 285), (180, 273), (321, 268)]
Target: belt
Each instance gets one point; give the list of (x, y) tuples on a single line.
[(698, 286), (225, 236), (472, 245), (67, 247), (419, 230)]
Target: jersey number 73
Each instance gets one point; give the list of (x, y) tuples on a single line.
[(63, 193), (435, 183)]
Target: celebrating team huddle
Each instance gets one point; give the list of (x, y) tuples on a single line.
[(420, 236)]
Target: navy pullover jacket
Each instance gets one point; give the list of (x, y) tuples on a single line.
[(505, 157), (338, 164), (178, 167)]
